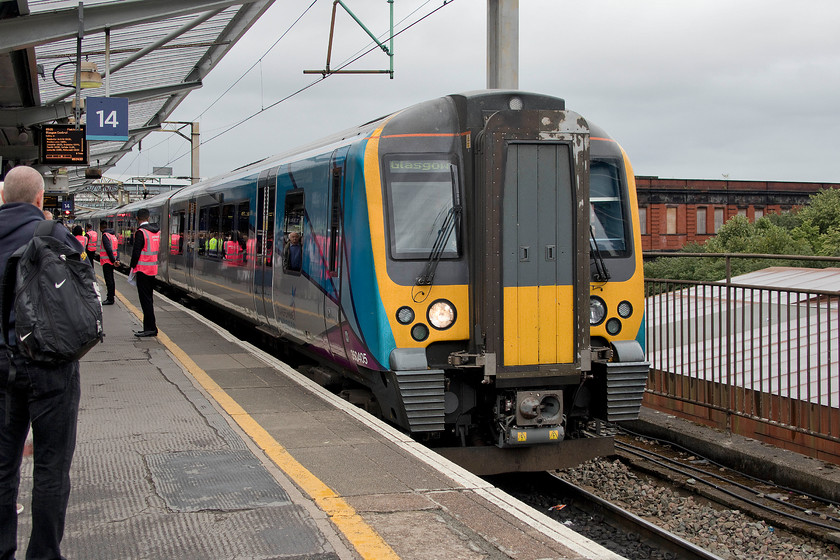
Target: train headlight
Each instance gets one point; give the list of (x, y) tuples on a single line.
[(613, 326), (441, 314), (597, 310), (625, 309), (405, 315)]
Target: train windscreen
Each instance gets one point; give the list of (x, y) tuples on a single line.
[(607, 209), (421, 198)]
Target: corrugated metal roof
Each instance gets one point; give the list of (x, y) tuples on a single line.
[(160, 50), (812, 279)]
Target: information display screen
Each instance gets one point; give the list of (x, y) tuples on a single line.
[(63, 144)]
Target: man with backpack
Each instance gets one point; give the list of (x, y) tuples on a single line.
[(43, 395)]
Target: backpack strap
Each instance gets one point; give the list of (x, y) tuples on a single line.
[(45, 228)]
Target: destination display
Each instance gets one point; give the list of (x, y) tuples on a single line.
[(419, 165), (63, 144)]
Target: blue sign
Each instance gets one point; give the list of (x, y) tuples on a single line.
[(107, 118), (67, 205)]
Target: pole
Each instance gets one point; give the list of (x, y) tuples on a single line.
[(194, 142), (502, 44), (77, 112)]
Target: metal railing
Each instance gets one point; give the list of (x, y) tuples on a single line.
[(739, 351)]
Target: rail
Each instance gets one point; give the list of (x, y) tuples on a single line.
[(757, 360)]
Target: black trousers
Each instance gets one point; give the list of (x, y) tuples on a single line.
[(48, 399), (145, 291), (108, 274)]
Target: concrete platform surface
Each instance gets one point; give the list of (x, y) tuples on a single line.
[(195, 445)]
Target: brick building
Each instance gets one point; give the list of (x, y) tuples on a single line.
[(675, 212)]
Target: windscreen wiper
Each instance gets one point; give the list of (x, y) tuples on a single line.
[(601, 272), (449, 224)]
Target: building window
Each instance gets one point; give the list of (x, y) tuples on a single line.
[(742, 212), (643, 219), (671, 221), (758, 214), (701, 221), (718, 219)]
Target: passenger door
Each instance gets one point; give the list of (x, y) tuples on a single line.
[(334, 251), (265, 259)]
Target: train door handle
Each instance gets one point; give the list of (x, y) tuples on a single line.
[(523, 253), (551, 252)]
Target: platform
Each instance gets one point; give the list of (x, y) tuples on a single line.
[(196, 445)]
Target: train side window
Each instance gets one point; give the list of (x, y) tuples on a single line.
[(243, 219), (202, 231), (228, 227), (334, 258), (176, 233), (214, 237), (293, 222)]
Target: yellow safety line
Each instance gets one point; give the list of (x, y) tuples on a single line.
[(361, 536)]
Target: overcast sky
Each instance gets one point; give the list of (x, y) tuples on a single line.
[(703, 89)]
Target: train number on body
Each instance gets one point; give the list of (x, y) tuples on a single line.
[(360, 358)]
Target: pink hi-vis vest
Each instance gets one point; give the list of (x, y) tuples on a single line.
[(148, 263), (82, 239), (234, 254), (103, 254), (93, 237)]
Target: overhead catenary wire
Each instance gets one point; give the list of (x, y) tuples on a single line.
[(239, 79), (317, 81)]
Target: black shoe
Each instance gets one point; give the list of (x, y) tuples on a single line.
[(108, 302), (145, 333)]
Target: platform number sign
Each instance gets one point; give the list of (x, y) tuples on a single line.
[(107, 118)]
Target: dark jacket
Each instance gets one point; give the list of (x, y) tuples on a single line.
[(17, 226), (139, 241), (106, 244)]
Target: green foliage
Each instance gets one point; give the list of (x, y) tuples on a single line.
[(823, 211)]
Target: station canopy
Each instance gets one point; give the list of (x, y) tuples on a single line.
[(159, 51)]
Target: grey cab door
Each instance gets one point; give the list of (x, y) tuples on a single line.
[(535, 254)]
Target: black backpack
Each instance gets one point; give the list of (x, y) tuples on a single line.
[(53, 290)]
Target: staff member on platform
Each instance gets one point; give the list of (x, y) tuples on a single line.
[(109, 258), (144, 263)]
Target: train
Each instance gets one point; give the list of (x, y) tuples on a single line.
[(473, 261)]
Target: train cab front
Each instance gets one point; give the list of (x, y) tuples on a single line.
[(484, 269)]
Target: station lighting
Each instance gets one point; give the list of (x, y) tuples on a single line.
[(91, 78)]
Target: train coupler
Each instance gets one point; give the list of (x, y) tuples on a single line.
[(531, 418), (520, 437)]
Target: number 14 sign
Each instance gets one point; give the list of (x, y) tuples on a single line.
[(107, 118)]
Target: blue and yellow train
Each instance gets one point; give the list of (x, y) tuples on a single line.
[(474, 261)]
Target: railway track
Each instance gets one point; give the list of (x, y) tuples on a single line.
[(783, 507), (652, 535)]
